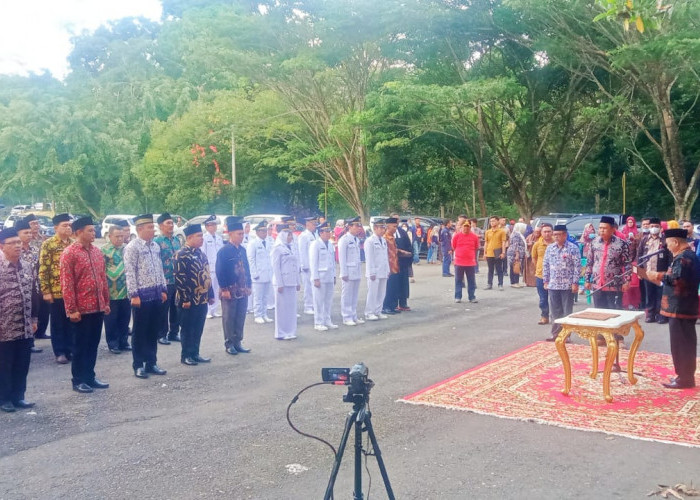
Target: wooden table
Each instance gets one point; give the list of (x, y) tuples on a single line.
[(590, 329)]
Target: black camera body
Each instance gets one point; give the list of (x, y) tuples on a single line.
[(357, 378)]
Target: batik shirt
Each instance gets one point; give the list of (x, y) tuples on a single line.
[(561, 267), (50, 266), (30, 263), (168, 248), (192, 277), (15, 302), (116, 275), (83, 279), (607, 262), (144, 270)]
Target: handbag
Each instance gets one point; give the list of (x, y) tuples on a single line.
[(516, 264)]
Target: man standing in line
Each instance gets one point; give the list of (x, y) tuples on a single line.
[(495, 242), (680, 305), (305, 240), (350, 271), (260, 264), (193, 293), (37, 239), (146, 286), (561, 271), (538, 251), (480, 234), (117, 321), (86, 299), (233, 275), (18, 322), (285, 279), (607, 261), (377, 271), (446, 248), (169, 312), (404, 252), (50, 285), (465, 245), (212, 244), (29, 258), (651, 243), (322, 268)]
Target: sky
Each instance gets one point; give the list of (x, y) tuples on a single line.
[(35, 34)]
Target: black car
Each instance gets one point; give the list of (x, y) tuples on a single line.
[(576, 224)]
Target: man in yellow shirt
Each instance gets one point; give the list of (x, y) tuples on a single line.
[(538, 250), (495, 241)]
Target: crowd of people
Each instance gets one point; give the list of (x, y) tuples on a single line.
[(167, 290)]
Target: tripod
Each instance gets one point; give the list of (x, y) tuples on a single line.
[(358, 417)]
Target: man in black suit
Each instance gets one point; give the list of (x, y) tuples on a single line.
[(397, 292)]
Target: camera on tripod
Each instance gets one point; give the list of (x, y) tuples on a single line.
[(357, 378)]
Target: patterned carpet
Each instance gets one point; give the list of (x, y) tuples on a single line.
[(526, 385)]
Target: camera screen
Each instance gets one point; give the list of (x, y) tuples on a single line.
[(335, 374)]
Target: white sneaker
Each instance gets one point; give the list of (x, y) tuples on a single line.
[(321, 328), (298, 315), (360, 321), (289, 337), (332, 326), (382, 316), (309, 311), (268, 320), (209, 316), (371, 317), (349, 323), (260, 321)]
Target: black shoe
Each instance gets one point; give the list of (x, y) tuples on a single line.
[(390, 312), (155, 370), (175, 338), (23, 403), (164, 341), (140, 372), (189, 361), (675, 384), (127, 347), (42, 336), (242, 349), (201, 359), (473, 301), (114, 350), (35, 350), (98, 384), (488, 287), (231, 351), (82, 388), (662, 320), (7, 407)]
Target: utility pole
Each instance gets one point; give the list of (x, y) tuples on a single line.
[(233, 171)]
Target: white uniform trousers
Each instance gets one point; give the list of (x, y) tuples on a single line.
[(308, 290), (323, 302), (260, 293), (286, 312), (349, 293), (376, 291), (215, 309), (271, 292)]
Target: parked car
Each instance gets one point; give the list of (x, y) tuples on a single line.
[(576, 224), (256, 219), (178, 231), (110, 220), (199, 219)]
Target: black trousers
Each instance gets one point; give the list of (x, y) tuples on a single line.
[(61, 329), (192, 325), (684, 344), (607, 300), (144, 341), (233, 313), (495, 264), (44, 315), (404, 286), (652, 306), (88, 332), (391, 299), (15, 356), (561, 304), (117, 324), (170, 316)]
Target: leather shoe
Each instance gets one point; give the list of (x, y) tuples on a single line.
[(543, 321), (231, 351), (98, 384), (400, 308), (114, 350), (156, 370), (242, 349), (82, 388), (7, 407), (176, 338), (675, 384), (662, 320), (127, 347), (23, 403), (201, 359), (35, 350), (189, 362), (388, 311), (140, 372), (164, 341)]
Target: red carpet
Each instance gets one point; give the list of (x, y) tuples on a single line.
[(527, 384)]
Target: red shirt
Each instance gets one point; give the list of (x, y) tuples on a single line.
[(465, 247), (84, 279)]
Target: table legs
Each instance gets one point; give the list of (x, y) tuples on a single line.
[(610, 357), (560, 342), (594, 356), (638, 337)]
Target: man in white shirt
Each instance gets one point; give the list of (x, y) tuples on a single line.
[(305, 240), (322, 271), (350, 271), (260, 265), (212, 244), (377, 271)]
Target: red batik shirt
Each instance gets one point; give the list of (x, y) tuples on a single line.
[(84, 279)]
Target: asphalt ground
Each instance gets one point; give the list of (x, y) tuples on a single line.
[(219, 430)]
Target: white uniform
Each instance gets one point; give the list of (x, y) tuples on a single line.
[(322, 268), (305, 240), (247, 237), (211, 247), (377, 265), (350, 268), (285, 274), (271, 293), (260, 265)]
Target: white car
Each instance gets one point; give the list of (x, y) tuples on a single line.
[(256, 219), (110, 221), (178, 231), (220, 228)]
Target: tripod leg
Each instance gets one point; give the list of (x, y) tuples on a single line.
[(349, 421), (357, 494), (378, 454)]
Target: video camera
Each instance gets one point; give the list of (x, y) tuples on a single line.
[(356, 378)]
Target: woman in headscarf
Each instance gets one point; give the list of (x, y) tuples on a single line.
[(285, 281), (517, 249)]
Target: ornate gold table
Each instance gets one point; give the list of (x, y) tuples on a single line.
[(590, 329)]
